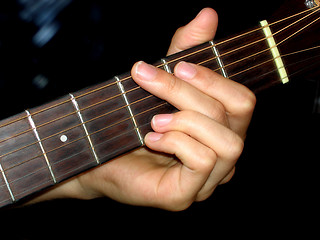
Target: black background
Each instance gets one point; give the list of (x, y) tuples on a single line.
[(275, 187)]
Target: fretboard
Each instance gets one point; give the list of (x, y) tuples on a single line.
[(51, 143)]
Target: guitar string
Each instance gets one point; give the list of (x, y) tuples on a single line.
[(315, 57), (109, 126), (315, 9), (270, 60), (105, 101)]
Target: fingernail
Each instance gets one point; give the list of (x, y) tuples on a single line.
[(185, 71), (200, 12), (161, 120), (154, 137), (145, 71)]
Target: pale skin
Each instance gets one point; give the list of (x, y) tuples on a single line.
[(190, 152)]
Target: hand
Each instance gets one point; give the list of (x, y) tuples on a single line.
[(190, 152)]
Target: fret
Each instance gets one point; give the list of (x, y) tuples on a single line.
[(106, 112), (5, 180), (24, 167), (122, 90), (219, 60), (144, 105), (34, 128), (201, 55), (5, 191), (59, 121), (64, 138), (166, 67)]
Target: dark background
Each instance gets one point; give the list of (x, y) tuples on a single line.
[(275, 187)]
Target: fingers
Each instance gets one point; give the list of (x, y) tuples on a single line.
[(199, 89), (201, 29)]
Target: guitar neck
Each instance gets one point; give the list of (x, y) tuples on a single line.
[(51, 143)]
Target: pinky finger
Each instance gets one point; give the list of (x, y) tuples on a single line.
[(198, 160), (194, 155)]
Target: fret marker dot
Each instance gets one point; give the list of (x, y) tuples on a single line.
[(63, 138)]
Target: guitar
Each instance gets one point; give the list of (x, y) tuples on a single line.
[(46, 145)]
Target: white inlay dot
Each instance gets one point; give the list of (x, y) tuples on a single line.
[(63, 138)]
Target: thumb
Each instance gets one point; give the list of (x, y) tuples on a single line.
[(199, 30)]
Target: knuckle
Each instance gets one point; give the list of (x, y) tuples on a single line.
[(247, 105), (235, 147), (238, 146), (207, 160)]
